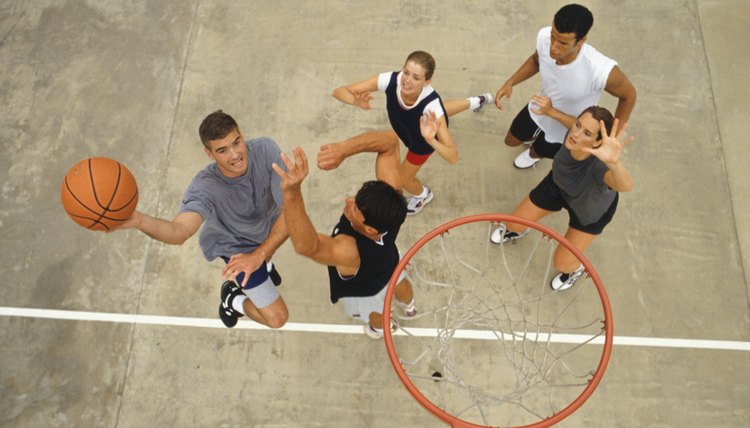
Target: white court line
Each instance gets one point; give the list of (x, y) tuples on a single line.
[(357, 329)]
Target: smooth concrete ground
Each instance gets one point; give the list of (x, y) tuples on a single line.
[(132, 81)]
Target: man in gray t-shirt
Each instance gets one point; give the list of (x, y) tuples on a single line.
[(238, 201)]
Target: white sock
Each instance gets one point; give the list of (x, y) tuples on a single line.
[(269, 266), (425, 192), (473, 102), (237, 304), (408, 306)]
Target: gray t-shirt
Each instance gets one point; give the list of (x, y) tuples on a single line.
[(582, 185), (238, 213)]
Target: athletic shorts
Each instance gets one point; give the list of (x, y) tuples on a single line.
[(524, 128), (547, 196), (360, 307), (259, 287), (416, 159)]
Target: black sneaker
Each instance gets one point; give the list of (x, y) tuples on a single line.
[(274, 275), (229, 290)]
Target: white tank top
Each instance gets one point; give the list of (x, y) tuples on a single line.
[(571, 87)]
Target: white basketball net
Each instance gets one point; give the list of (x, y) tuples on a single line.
[(493, 344)]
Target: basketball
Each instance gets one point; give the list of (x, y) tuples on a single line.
[(99, 193)]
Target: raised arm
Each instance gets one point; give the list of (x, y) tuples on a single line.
[(357, 94), (340, 251), (618, 177), (619, 85), (174, 232), (529, 68), (437, 135)]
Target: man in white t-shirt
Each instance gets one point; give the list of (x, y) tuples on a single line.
[(573, 76)]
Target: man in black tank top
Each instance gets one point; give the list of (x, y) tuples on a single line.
[(361, 254)]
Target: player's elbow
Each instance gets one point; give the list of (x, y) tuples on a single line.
[(305, 249)]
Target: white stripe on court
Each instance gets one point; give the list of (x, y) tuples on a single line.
[(357, 329)]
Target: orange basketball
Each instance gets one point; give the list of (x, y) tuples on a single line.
[(99, 193)]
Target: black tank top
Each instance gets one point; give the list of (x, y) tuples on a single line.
[(377, 261), (406, 122)]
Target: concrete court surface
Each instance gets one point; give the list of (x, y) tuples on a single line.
[(132, 81)]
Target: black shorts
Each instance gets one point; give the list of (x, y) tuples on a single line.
[(547, 196), (525, 129)]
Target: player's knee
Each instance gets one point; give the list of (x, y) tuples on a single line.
[(277, 319), (512, 141)]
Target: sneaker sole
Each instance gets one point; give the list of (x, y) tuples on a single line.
[(275, 277)]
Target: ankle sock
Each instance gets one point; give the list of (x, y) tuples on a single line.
[(474, 103), (237, 304)]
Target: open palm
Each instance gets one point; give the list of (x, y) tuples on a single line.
[(611, 148)]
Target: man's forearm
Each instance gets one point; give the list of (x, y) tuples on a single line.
[(275, 238), (298, 223)]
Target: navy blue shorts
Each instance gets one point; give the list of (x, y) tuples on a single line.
[(525, 129), (256, 278), (547, 196)]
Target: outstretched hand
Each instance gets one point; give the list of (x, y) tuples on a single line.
[(428, 126), (362, 100), (131, 222), (296, 171), (611, 147), (505, 91)]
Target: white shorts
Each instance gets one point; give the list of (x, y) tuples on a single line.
[(360, 308), (263, 294)]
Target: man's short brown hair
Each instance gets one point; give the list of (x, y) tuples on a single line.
[(216, 126)]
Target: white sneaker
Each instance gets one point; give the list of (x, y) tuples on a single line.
[(484, 99), (563, 281), (501, 235), (377, 333), (524, 160), (408, 310), (416, 203)]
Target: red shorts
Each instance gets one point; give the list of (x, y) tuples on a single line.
[(416, 159)]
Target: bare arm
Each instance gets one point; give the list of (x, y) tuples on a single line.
[(619, 85), (340, 251), (250, 262), (544, 107), (357, 94), (618, 177), (174, 232), (529, 68), (436, 133)]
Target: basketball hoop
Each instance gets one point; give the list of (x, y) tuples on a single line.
[(493, 344)]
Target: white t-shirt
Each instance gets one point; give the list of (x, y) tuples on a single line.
[(385, 78), (571, 87)]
